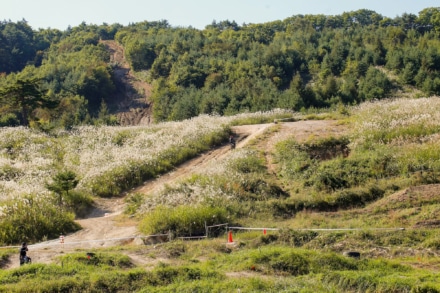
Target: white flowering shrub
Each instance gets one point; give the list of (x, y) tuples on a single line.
[(396, 120), (407, 131), (236, 183), (210, 185), (107, 160)]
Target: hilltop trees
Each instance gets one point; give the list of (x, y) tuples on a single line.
[(17, 46), (250, 67), (74, 74), (300, 62)]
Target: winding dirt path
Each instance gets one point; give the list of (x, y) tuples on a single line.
[(107, 226)]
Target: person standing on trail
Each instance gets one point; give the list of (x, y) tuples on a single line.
[(23, 254)]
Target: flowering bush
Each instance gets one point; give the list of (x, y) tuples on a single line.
[(396, 120), (106, 159)]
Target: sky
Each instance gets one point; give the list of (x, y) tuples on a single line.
[(60, 14)]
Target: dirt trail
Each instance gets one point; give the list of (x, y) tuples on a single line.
[(107, 226), (243, 133)]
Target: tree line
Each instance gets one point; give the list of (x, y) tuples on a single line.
[(301, 62)]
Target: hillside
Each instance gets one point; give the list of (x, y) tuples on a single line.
[(309, 233), (106, 226), (301, 62), (106, 221), (131, 98)]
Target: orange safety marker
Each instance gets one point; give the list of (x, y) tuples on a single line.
[(230, 237)]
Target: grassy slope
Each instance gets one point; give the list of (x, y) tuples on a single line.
[(289, 260)]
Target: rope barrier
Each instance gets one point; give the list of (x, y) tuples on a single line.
[(219, 225), (56, 242), (321, 229), (352, 229), (192, 237), (259, 229), (67, 242)]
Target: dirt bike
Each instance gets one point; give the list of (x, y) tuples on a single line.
[(232, 143), (25, 260)]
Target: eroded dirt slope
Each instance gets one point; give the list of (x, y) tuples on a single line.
[(131, 98)]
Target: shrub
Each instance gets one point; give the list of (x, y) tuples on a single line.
[(98, 259), (280, 261), (182, 220), (134, 202), (349, 198), (32, 219), (324, 262), (247, 164), (296, 238), (9, 119)]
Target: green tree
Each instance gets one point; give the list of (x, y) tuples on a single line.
[(140, 54), (62, 183), (17, 46), (430, 17), (375, 85), (25, 95)]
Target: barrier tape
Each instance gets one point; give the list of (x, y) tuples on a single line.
[(219, 225), (192, 237)]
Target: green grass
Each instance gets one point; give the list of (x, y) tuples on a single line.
[(203, 268), (349, 182)]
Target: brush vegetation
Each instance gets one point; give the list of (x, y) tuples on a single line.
[(61, 147), (327, 196)]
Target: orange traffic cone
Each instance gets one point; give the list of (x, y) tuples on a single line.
[(230, 237), (264, 232)]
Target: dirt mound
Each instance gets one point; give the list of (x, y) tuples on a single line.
[(413, 196)]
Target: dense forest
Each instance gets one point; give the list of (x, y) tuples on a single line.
[(51, 78)]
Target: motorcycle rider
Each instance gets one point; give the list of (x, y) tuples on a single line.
[(23, 254), (232, 141)]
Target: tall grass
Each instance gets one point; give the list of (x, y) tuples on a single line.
[(395, 120), (107, 160), (29, 158), (236, 177), (184, 220), (389, 142), (236, 184)]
